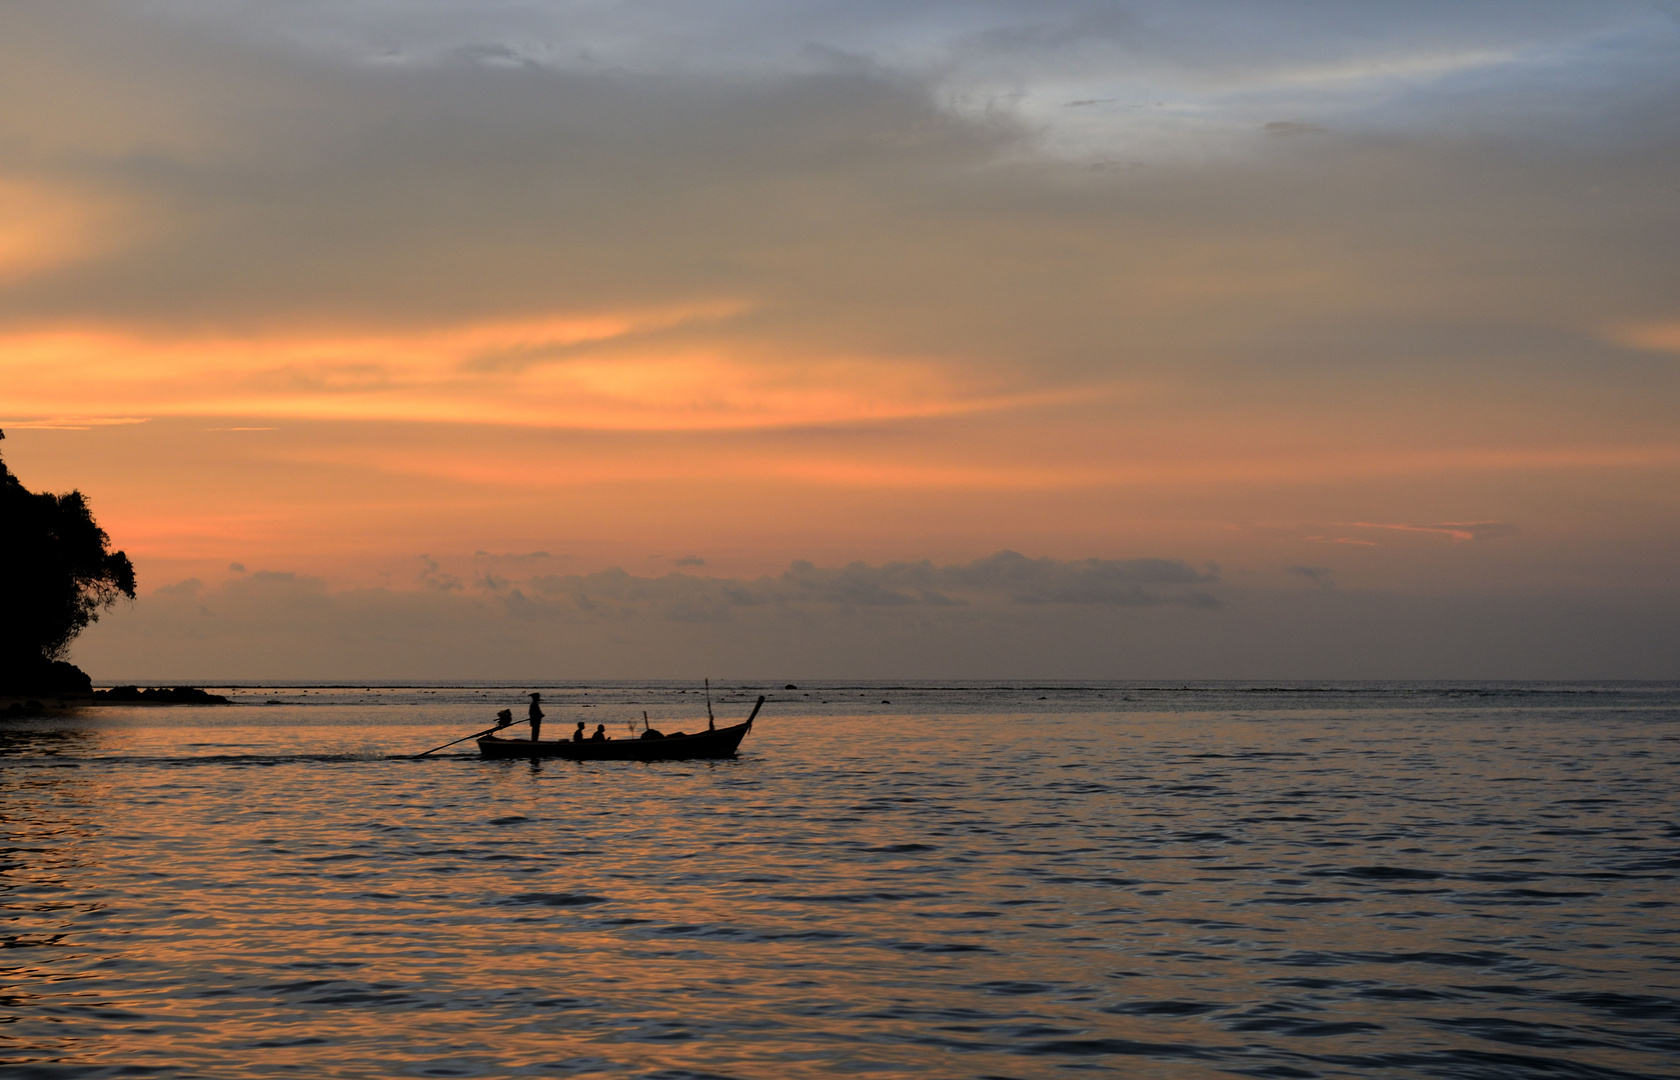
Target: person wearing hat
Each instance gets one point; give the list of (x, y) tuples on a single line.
[(536, 716)]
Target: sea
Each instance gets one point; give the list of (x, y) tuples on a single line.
[(991, 880)]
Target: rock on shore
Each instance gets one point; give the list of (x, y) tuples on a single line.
[(35, 676), (160, 695)]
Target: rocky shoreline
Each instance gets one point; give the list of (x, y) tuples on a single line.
[(159, 695), (41, 678), (67, 686)]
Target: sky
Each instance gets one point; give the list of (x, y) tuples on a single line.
[(1061, 339)]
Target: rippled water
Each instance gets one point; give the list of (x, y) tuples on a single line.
[(978, 881)]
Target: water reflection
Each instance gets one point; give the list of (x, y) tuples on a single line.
[(31, 742), (1404, 893)]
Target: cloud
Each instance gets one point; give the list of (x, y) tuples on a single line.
[(514, 557), (605, 278), (1006, 578), (1456, 531), (1208, 67), (71, 423), (441, 374), (431, 576), (282, 618), (996, 584), (856, 584), (43, 227), (1088, 581), (644, 160), (1653, 336), (280, 583), (285, 626), (1322, 576)]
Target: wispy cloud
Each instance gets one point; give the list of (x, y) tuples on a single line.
[(1322, 576), (1285, 128), (441, 375), (71, 423), (1655, 336), (1456, 531)]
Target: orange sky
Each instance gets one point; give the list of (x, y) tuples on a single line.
[(1358, 312)]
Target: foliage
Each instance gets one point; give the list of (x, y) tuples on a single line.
[(57, 573)]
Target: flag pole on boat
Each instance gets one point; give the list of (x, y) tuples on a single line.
[(711, 723)]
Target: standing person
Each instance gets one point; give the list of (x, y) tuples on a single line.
[(536, 716)]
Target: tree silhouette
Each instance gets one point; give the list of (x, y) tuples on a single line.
[(57, 573)]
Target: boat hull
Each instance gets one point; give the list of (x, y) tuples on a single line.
[(719, 743)]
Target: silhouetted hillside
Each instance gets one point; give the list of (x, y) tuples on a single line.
[(57, 573)]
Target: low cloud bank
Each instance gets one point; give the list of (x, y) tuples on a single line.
[(502, 617), (1004, 616), (1006, 578)]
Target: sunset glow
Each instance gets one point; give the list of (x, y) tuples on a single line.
[(587, 372), (797, 539), (1383, 310)]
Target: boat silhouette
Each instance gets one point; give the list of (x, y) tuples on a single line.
[(720, 742)]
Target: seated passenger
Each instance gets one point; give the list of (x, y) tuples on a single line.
[(653, 733), (600, 732), (577, 736)]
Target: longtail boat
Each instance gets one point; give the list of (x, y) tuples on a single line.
[(715, 743)]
